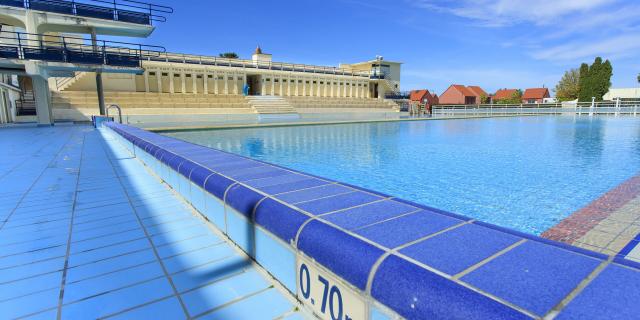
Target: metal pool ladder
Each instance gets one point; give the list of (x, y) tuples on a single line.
[(119, 111)]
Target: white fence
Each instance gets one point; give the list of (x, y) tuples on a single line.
[(597, 108)]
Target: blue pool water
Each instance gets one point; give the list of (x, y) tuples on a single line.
[(524, 173)]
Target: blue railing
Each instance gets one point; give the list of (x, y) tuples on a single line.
[(27, 46), (116, 10)]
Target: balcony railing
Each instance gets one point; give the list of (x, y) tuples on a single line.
[(117, 10), (77, 50), (258, 65)]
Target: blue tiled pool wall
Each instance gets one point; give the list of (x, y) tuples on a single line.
[(420, 262)]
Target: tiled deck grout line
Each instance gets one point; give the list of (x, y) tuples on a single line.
[(222, 306), (488, 259), (55, 156), (388, 219), (68, 250), (470, 287), (322, 198), (395, 250), (305, 189), (123, 311), (104, 142), (555, 311)]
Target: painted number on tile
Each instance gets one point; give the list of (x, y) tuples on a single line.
[(328, 298)]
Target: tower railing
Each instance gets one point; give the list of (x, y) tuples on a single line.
[(69, 49), (130, 11)]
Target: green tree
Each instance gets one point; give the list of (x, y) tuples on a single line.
[(484, 99), (594, 80), (229, 55), (568, 87)]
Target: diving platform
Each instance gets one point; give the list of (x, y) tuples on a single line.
[(116, 18)]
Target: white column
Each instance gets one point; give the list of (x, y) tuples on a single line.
[(326, 85), (235, 84), (171, 77), (282, 87), (215, 82), (297, 85), (205, 82), (263, 88), (41, 93), (194, 81), (226, 83), (304, 86), (183, 82), (289, 87), (273, 85), (146, 81), (350, 89), (244, 81), (159, 78)]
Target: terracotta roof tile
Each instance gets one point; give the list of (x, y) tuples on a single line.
[(535, 93)]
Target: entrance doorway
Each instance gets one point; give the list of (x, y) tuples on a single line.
[(373, 90), (254, 82)]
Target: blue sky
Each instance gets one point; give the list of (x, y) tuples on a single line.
[(491, 43)]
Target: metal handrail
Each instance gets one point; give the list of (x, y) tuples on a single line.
[(117, 6), (65, 46), (267, 65), (117, 108)]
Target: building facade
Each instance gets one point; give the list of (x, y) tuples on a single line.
[(178, 73), (459, 94)]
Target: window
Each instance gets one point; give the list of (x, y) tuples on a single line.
[(314, 82), (220, 77), (164, 74), (152, 74), (176, 75), (321, 82), (299, 81), (307, 81), (292, 81), (268, 79), (187, 75), (199, 76), (276, 80), (230, 78), (240, 78), (210, 76)]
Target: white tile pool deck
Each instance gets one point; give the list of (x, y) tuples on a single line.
[(87, 232)]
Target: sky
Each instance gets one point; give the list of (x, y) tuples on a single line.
[(491, 43)]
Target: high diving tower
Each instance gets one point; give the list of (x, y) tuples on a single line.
[(41, 51)]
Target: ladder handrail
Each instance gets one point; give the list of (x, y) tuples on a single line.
[(117, 108)]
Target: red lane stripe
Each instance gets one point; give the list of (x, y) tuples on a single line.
[(582, 221)]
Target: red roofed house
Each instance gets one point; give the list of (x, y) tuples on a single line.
[(459, 94), (503, 94), (535, 95), (424, 97)]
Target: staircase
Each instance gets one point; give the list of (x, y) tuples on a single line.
[(270, 105), (66, 83)]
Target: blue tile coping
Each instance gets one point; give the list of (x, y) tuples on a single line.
[(403, 258)]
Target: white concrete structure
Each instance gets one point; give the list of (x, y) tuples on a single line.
[(623, 94), (187, 74), (45, 22)]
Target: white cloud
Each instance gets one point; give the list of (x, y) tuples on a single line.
[(508, 12), (616, 47)]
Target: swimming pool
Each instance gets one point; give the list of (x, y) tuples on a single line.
[(525, 173)]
